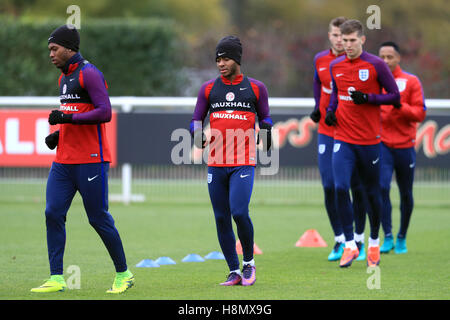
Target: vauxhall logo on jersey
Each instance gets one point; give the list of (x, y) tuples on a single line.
[(230, 103), (229, 115), (65, 96), (69, 96)]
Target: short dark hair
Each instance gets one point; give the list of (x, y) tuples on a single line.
[(390, 44), (336, 22), (351, 26)]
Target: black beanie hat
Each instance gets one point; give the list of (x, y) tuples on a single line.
[(67, 36), (229, 47)]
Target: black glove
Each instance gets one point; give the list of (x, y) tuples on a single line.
[(359, 97), (52, 140), (57, 116), (330, 118), (267, 133), (199, 139), (315, 115), (397, 105)]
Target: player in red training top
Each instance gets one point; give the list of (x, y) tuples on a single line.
[(82, 159), (358, 78), (325, 140), (233, 101), (398, 134)]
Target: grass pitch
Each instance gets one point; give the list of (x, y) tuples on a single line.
[(164, 226)]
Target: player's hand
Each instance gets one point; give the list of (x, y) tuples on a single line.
[(57, 116), (359, 97), (199, 139), (330, 118), (397, 105), (52, 140), (315, 115), (265, 131)]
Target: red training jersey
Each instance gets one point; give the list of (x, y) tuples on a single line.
[(399, 126), (323, 87), (360, 124), (83, 94), (233, 109)]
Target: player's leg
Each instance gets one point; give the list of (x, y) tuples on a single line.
[(92, 182), (360, 205), (405, 160), (325, 152), (59, 194), (343, 160), (387, 169), (218, 188), (241, 186), (369, 169)]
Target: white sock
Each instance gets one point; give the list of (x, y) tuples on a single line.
[(351, 244), (236, 271), (374, 242), (340, 238), (251, 262), (359, 237)]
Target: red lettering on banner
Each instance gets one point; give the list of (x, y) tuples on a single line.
[(298, 132), (22, 138), (425, 136), (442, 142), (434, 142)]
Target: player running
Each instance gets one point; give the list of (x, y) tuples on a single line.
[(398, 134), (82, 159), (233, 102), (322, 93), (358, 78)]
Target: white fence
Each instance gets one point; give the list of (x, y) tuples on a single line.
[(126, 104)]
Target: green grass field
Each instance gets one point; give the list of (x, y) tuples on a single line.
[(164, 225)]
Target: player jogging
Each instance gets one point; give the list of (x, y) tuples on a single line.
[(399, 127), (82, 159), (322, 93), (233, 102), (358, 78)]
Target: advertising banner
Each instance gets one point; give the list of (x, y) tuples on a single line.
[(22, 138)]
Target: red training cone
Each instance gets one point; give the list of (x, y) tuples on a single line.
[(311, 238), (256, 249)]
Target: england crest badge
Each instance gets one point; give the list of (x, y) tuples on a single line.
[(363, 74), (401, 84)]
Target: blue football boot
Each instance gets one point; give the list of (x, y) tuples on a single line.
[(337, 252), (400, 246), (388, 244)]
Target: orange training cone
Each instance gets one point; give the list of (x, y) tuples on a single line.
[(311, 238), (256, 249)]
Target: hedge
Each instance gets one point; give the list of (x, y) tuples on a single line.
[(137, 57)]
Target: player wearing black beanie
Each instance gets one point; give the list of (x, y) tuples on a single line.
[(229, 47), (67, 36)]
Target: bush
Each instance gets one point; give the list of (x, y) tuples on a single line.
[(137, 57)]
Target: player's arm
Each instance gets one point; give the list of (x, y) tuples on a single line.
[(200, 112), (330, 118), (387, 81), (262, 110), (92, 80), (317, 86), (414, 109)]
